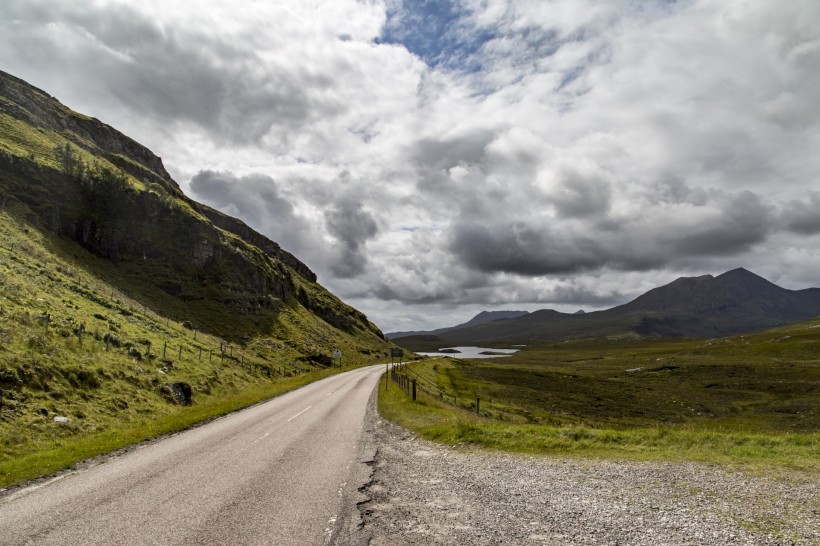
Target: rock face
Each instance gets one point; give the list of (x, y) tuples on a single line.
[(239, 228)]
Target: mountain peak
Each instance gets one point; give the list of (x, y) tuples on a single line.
[(739, 272), (743, 279)]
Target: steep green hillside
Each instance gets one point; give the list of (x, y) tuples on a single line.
[(146, 292)]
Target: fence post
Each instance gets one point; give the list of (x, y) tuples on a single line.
[(414, 390), (164, 346), (477, 403)]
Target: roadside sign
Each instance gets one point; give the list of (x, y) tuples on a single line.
[(337, 354), (396, 352)]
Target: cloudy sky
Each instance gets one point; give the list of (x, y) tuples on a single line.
[(432, 159)]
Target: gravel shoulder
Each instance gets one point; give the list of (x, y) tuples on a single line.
[(424, 493)]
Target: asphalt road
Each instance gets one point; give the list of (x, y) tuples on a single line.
[(283, 472)]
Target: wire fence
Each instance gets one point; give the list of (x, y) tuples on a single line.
[(411, 382), (182, 342)]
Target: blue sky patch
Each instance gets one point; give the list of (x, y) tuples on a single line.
[(438, 32)]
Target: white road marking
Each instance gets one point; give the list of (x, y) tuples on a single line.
[(298, 414)]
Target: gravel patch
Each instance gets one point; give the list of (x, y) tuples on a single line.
[(425, 493)]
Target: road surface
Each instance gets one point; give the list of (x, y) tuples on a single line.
[(283, 472)]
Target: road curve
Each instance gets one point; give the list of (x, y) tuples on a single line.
[(282, 472)]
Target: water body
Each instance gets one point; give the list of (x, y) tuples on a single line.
[(472, 352)]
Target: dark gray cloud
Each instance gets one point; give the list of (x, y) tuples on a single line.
[(255, 196), (724, 225), (352, 226), (581, 195), (578, 295), (443, 153), (744, 220), (676, 190), (803, 217), (257, 200), (523, 249)]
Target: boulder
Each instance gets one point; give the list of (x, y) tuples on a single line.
[(181, 392)]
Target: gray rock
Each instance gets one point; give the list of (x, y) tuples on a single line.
[(181, 392)]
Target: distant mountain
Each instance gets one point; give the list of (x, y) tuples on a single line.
[(735, 302), (483, 317)]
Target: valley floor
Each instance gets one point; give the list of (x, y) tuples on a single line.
[(426, 493)]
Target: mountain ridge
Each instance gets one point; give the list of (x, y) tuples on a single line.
[(737, 301)]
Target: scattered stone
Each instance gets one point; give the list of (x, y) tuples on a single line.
[(61, 419), (422, 493)]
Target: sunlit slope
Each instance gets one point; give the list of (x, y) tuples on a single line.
[(116, 289)]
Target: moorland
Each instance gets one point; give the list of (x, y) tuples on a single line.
[(751, 400)]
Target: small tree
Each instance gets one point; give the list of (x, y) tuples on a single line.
[(69, 159)]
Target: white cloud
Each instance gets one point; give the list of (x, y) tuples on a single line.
[(568, 153)]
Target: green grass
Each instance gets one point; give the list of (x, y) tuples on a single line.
[(752, 400), (53, 455), (437, 421)]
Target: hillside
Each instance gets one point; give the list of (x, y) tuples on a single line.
[(481, 318), (118, 293), (735, 302)]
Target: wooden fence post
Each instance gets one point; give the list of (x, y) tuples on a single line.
[(477, 403)]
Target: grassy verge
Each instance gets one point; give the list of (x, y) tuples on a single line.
[(434, 420), (55, 455)]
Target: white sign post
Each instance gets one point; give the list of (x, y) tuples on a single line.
[(337, 355)]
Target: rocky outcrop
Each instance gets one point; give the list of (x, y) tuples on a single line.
[(240, 229)]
